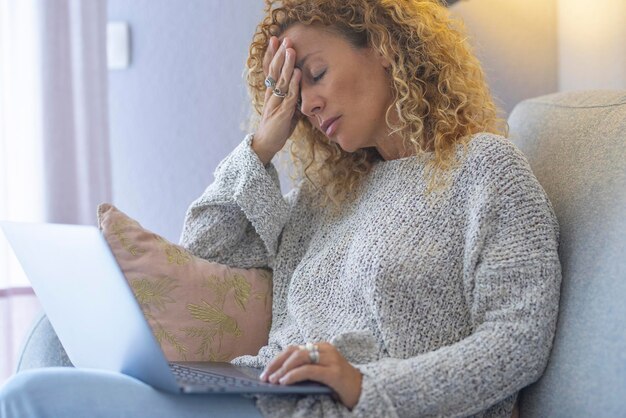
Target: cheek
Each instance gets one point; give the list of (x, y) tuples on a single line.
[(370, 93)]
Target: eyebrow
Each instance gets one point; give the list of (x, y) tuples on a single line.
[(300, 62)]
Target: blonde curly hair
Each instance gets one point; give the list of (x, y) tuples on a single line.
[(439, 91)]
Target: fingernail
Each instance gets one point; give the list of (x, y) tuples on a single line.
[(262, 376), (274, 378), (288, 54), (283, 379), (285, 42)]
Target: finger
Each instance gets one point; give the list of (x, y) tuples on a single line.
[(277, 61), (293, 93), (296, 359), (275, 69), (309, 372), (287, 70), (286, 73), (268, 94), (269, 54), (326, 347), (277, 362), (294, 98)]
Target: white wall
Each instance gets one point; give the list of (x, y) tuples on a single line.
[(516, 41), (178, 110), (535, 47), (592, 44)]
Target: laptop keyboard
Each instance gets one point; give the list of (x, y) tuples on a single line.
[(205, 379)]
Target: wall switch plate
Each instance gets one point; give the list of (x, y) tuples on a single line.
[(118, 45)]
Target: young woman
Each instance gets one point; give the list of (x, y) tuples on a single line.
[(415, 264)]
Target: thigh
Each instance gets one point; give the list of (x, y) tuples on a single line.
[(70, 392)]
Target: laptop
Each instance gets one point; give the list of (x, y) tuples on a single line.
[(99, 322)]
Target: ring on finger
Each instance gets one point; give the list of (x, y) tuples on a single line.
[(308, 347), (279, 93), (313, 350), (270, 83), (314, 356)]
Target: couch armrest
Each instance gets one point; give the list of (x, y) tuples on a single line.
[(42, 348)]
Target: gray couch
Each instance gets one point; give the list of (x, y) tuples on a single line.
[(576, 145)]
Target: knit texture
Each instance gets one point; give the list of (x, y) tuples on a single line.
[(448, 306)]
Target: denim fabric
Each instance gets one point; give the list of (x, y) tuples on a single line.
[(68, 392)]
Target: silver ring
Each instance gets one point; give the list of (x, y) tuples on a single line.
[(270, 83), (279, 93), (307, 347), (314, 354)]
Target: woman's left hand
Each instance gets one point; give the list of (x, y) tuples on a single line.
[(294, 365)]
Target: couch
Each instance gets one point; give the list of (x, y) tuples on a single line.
[(576, 145)]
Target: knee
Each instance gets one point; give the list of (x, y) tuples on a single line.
[(12, 394), (21, 395)]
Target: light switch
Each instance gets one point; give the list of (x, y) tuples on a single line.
[(118, 45)]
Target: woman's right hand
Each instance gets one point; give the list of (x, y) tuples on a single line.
[(280, 115)]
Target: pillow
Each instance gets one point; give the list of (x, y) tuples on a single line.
[(198, 310)]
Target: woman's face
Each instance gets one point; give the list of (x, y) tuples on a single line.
[(345, 91)]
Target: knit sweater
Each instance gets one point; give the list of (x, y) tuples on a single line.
[(447, 306)]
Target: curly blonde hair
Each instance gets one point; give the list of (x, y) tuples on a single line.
[(439, 91)]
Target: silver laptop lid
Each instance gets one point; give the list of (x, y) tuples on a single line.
[(88, 301)]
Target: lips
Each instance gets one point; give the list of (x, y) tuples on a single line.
[(327, 124)]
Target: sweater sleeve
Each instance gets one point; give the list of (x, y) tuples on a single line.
[(239, 218), (511, 279)]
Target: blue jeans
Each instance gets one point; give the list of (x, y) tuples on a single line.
[(70, 392)]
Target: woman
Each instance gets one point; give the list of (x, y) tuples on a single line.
[(415, 264), (418, 252)]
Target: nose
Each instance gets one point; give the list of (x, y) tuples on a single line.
[(312, 103)]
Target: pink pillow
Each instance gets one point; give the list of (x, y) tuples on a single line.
[(198, 310)]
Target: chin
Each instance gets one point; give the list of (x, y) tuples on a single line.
[(345, 145)]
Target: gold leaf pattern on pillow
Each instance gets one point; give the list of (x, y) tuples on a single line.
[(175, 254), (267, 295), (162, 334), (221, 287), (119, 230), (154, 293), (220, 355), (219, 324), (205, 335), (242, 290), (214, 316)]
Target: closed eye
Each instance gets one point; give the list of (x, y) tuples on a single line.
[(319, 77)]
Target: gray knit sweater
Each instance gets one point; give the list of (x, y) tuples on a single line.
[(448, 306)]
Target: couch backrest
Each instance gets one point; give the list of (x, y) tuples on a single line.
[(576, 145)]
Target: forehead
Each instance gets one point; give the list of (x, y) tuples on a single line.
[(307, 33), (308, 39)]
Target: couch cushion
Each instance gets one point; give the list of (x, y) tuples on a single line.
[(42, 348), (576, 145)]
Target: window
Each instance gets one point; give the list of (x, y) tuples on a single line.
[(20, 150)]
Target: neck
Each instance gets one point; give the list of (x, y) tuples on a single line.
[(394, 147)]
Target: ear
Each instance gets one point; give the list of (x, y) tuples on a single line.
[(383, 60)]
